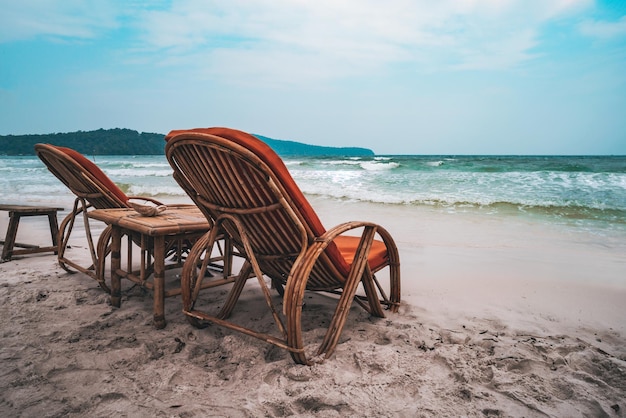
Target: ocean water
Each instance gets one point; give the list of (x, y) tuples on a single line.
[(582, 191)]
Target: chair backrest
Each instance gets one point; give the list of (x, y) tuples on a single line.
[(82, 176), (229, 173)]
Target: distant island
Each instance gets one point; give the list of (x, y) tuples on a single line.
[(128, 142)]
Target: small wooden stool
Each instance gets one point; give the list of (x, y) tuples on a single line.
[(15, 213)]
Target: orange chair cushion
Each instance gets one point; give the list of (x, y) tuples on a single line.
[(95, 171), (348, 245), (341, 251)]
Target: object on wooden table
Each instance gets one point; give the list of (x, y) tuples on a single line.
[(147, 209)]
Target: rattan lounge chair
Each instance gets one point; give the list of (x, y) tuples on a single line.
[(241, 185), (93, 190)]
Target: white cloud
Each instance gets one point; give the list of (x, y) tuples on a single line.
[(329, 38), (65, 19), (290, 41), (603, 29)]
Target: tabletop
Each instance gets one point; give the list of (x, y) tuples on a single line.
[(174, 220), (29, 209)]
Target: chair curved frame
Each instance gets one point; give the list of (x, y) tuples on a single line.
[(93, 190), (243, 187)]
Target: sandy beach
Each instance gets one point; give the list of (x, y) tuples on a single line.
[(502, 316)]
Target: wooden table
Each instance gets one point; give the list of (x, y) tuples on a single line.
[(15, 213), (182, 222)]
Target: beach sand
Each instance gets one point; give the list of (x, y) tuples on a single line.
[(502, 316)]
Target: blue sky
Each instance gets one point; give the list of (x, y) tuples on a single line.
[(396, 76)]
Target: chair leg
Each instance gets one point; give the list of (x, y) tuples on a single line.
[(98, 253), (92, 250), (371, 291), (295, 296), (376, 296), (54, 229), (104, 249), (279, 287), (341, 312), (191, 277), (228, 256), (191, 282), (393, 302), (65, 231), (235, 292), (63, 236)]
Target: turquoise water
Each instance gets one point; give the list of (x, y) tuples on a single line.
[(588, 191), (585, 188)]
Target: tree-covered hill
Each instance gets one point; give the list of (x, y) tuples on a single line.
[(100, 142), (128, 142), (292, 148)]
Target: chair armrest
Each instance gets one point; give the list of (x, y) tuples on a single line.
[(385, 236), (340, 229), (303, 265), (145, 199)]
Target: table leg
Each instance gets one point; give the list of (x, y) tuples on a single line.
[(159, 282), (54, 228), (116, 263), (9, 240)]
